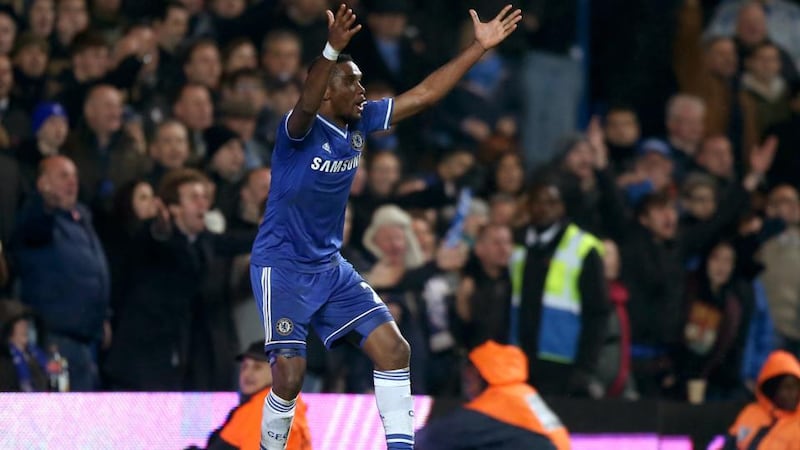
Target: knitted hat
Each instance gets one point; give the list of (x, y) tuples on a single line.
[(216, 137), (45, 111)]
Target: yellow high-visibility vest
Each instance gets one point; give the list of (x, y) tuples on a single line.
[(560, 324)]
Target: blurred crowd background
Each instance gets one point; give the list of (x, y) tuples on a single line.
[(614, 190)]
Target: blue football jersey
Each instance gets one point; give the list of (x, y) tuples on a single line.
[(311, 180)]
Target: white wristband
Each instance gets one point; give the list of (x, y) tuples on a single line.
[(329, 52)]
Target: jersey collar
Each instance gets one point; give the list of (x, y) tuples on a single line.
[(342, 133)]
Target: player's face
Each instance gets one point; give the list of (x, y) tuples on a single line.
[(254, 375), (347, 95)]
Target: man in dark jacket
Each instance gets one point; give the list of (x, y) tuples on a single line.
[(63, 270), (177, 290), (656, 282), (559, 297), (483, 300)]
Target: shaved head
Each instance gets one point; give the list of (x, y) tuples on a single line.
[(58, 182)]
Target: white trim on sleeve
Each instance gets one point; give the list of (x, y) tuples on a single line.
[(286, 129), (389, 110)]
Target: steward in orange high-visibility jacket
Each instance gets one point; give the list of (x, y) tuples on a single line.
[(242, 428), (772, 422), (505, 412)]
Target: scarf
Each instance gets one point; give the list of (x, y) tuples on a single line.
[(21, 363)]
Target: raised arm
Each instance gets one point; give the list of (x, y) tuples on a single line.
[(340, 31), (440, 82)]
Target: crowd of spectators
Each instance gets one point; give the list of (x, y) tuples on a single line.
[(655, 244)]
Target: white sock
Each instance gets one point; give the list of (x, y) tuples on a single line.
[(396, 406), (276, 422)]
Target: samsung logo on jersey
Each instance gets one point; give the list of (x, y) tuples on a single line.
[(324, 165)]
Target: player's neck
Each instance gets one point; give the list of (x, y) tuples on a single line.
[(327, 113)]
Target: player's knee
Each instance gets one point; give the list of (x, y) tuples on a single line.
[(399, 352), (288, 370)]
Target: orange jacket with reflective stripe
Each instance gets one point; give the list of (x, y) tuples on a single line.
[(762, 412), (243, 430), (509, 398)]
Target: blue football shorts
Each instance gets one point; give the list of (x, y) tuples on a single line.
[(335, 301)]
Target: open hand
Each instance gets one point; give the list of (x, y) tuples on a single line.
[(491, 33), (162, 225), (597, 138), (761, 156), (340, 27)]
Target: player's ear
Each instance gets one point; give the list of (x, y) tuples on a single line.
[(327, 94)]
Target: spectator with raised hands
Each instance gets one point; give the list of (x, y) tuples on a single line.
[(191, 341), (171, 26), (54, 228), (651, 172), (621, 134), (587, 184), (657, 283)]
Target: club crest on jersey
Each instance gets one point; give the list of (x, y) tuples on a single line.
[(357, 140), (284, 326)]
